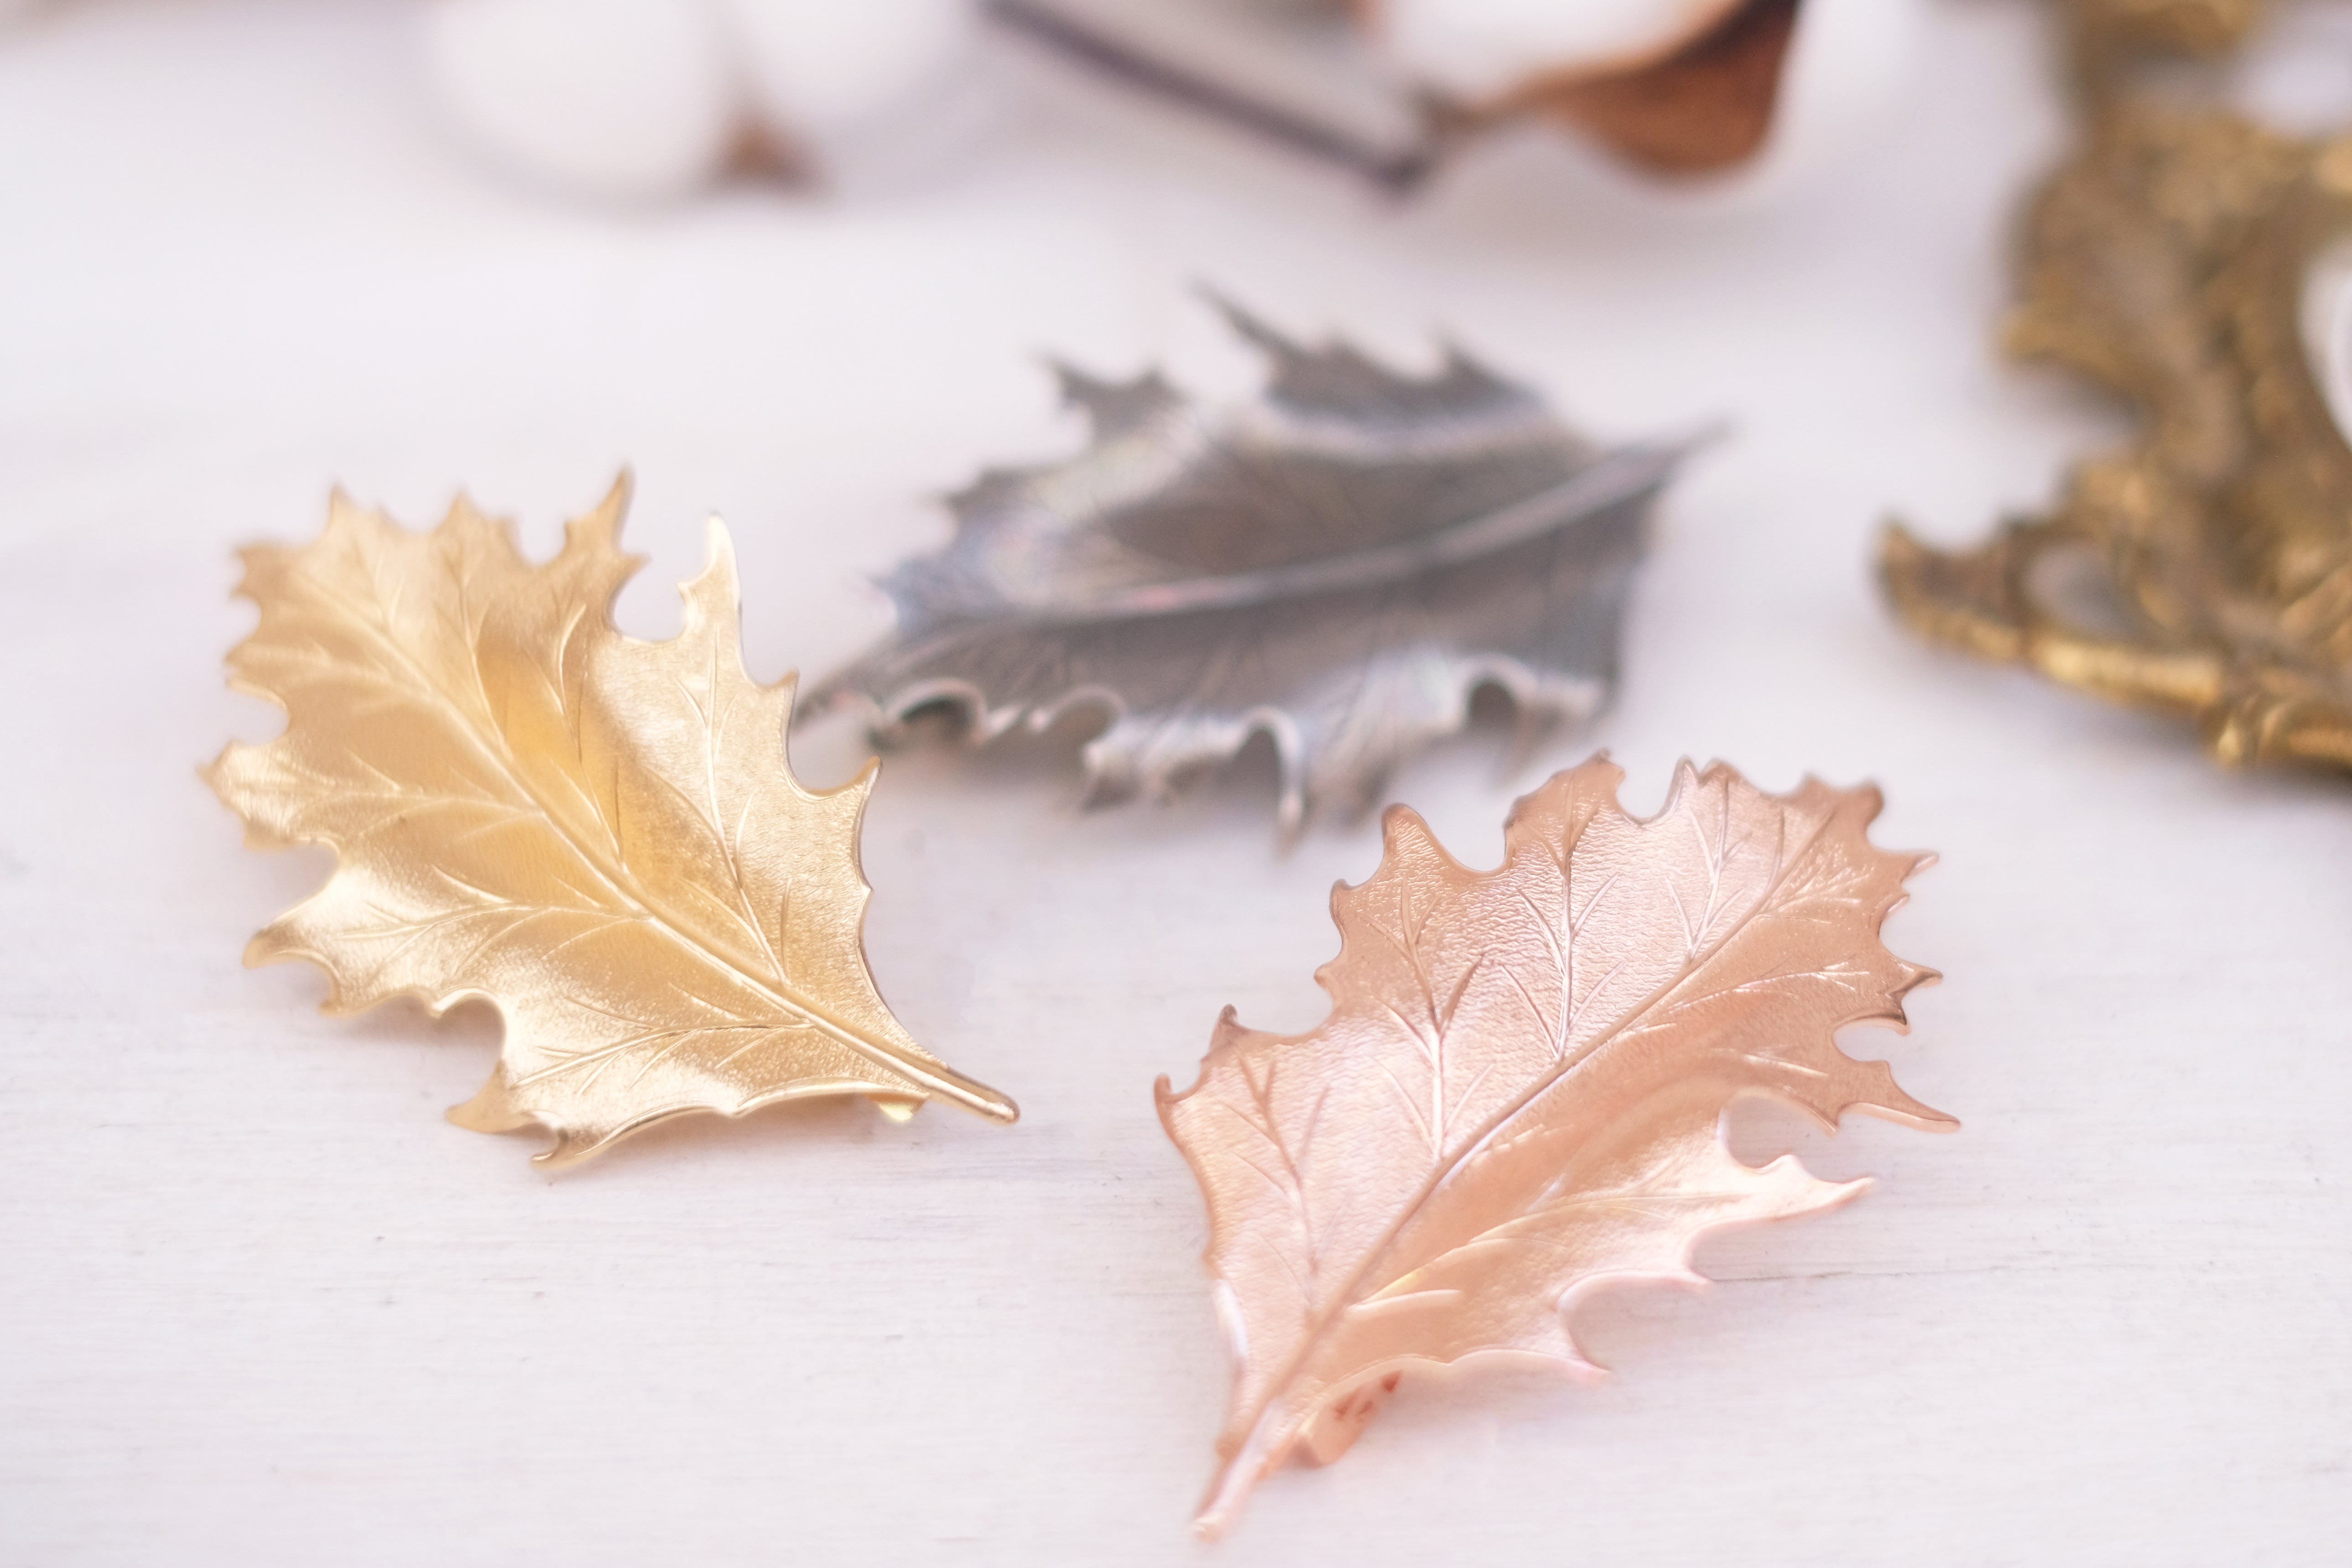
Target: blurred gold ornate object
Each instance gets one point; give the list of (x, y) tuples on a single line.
[(2191, 262), (599, 836), (1515, 1098), (2107, 33)]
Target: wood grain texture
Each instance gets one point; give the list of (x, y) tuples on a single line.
[(263, 1306)]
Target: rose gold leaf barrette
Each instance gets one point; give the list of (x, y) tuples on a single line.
[(1516, 1097)]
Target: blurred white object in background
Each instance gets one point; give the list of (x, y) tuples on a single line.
[(1851, 68), (654, 98), (870, 93), (613, 98), (2295, 72), (828, 67), (2327, 328)]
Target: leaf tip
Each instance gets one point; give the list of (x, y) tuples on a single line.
[(623, 489), (566, 1151), (1402, 829), (1223, 1039), (713, 597), (214, 774), (1599, 770), (1869, 800), (1892, 1102), (257, 563), (1222, 1502), (1844, 1193), (280, 942), (718, 548), (1687, 777), (1899, 549), (1928, 1119), (600, 525), (863, 781), (1238, 316), (493, 1108), (342, 510)]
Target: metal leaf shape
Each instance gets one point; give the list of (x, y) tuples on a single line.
[(1516, 1096), (1339, 563), (598, 835)]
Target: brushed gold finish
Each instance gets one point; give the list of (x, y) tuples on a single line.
[(2169, 262), (599, 836), (1515, 1099)]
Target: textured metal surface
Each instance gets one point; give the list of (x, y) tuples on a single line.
[(1339, 563), (1517, 1094), (597, 835), (2179, 259)]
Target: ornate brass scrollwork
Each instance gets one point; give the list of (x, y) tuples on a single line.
[(2176, 260)]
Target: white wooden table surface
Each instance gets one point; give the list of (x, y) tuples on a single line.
[(260, 1304)]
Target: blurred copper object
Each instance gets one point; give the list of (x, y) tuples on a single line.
[(1515, 1098), (1701, 101), (2192, 263), (1704, 106), (598, 835)]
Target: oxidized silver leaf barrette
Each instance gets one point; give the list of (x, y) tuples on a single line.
[(1340, 561)]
